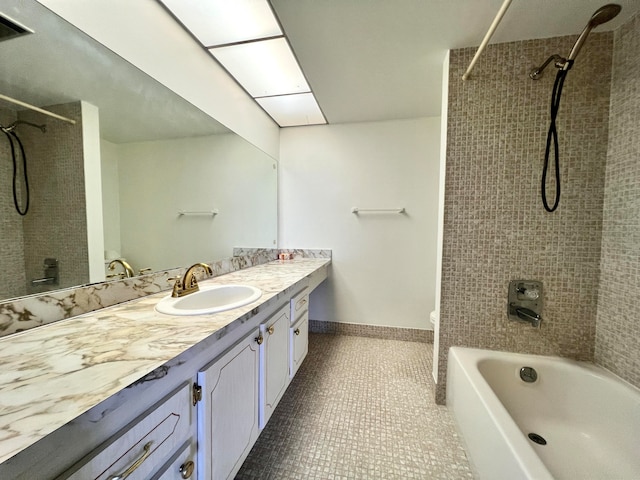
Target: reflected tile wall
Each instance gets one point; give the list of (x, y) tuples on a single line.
[(495, 227), (56, 225), (11, 244)]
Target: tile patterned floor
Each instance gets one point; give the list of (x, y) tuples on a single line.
[(359, 408)]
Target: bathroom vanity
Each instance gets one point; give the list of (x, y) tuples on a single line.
[(127, 392)]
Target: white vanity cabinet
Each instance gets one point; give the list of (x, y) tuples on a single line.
[(228, 410), (274, 362), (298, 343), (143, 447), (181, 466), (299, 331)]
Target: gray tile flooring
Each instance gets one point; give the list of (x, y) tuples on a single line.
[(359, 408)]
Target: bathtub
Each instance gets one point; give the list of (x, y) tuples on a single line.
[(589, 418)]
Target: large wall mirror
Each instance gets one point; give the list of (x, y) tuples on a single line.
[(142, 175)]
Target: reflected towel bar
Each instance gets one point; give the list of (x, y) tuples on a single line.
[(37, 109), (357, 210), (208, 213)]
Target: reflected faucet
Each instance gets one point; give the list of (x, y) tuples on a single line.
[(189, 284), (128, 271)]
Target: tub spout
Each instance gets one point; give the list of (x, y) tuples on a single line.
[(529, 316)]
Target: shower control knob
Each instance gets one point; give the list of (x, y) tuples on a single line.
[(528, 293)]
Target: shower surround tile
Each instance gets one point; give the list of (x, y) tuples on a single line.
[(617, 328), (495, 227), (21, 314)]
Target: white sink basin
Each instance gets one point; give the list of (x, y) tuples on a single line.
[(210, 299)]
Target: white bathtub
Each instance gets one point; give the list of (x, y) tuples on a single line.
[(589, 418)]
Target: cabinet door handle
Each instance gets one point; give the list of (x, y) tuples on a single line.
[(259, 339), (297, 331), (186, 469), (271, 329), (134, 465)]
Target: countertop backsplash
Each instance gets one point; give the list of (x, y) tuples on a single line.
[(24, 313)]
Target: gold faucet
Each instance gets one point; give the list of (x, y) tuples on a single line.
[(189, 283), (128, 271)]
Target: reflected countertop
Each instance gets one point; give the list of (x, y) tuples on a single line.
[(55, 373)]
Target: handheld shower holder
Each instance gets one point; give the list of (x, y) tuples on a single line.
[(560, 63)]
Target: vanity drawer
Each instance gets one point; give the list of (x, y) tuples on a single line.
[(299, 305), (144, 445), (182, 465), (299, 342)]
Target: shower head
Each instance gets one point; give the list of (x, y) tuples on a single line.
[(600, 16)]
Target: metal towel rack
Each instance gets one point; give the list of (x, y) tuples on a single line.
[(208, 213), (357, 210)]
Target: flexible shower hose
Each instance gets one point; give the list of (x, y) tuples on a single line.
[(10, 136), (552, 139)]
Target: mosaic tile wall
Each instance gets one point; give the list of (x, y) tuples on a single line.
[(56, 225), (617, 328), (495, 227), (11, 244)]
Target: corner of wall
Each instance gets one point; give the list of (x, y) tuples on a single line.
[(93, 190)]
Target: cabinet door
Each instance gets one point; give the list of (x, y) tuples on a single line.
[(299, 343), (274, 362), (228, 411)]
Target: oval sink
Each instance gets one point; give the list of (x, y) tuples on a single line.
[(210, 299)]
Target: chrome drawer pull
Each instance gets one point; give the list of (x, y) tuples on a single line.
[(135, 465)]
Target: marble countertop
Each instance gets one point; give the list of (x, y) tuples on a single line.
[(52, 374)]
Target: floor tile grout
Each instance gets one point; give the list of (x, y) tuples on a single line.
[(359, 408)]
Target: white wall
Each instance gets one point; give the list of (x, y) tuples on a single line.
[(384, 265), (144, 34), (110, 196), (93, 190), (221, 172)]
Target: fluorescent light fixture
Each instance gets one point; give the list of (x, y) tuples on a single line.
[(220, 22), (263, 68), (292, 110), (244, 36)]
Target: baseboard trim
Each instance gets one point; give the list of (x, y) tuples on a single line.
[(372, 331)]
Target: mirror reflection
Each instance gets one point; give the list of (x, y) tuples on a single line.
[(142, 177)]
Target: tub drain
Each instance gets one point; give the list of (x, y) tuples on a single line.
[(537, 439), (528, 374)]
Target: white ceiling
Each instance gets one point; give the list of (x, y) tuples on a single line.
[(371, 60), (60, 64)]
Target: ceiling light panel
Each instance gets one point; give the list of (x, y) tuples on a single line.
[(263, 68), (220, 22), (293, 110)]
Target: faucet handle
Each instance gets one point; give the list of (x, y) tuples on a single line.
[(529, 293), (177, 287)]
